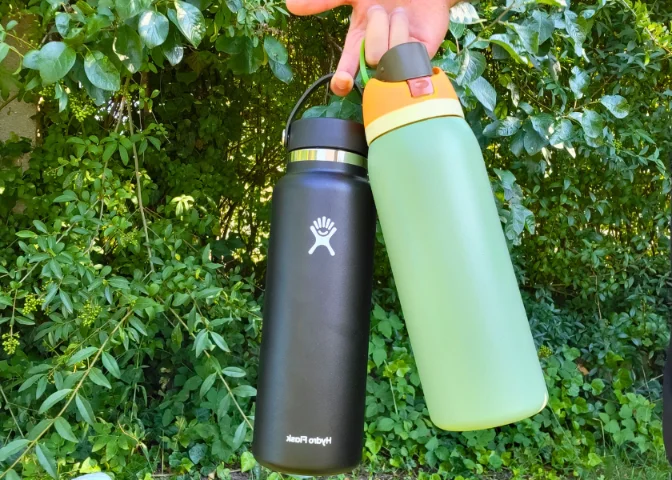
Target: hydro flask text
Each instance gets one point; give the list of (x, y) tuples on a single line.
[(324, 441)]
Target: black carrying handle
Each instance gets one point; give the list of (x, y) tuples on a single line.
[(318, 83)]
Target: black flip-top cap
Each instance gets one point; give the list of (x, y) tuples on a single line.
[(404, 62), (332, 133)]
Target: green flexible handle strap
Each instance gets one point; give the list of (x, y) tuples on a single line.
[(362, 65)]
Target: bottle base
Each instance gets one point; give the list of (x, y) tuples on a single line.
[(485, 423), (309, 472)]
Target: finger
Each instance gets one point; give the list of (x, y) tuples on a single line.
[(344, 78), (377, 34), (398, 27), (312, 7)]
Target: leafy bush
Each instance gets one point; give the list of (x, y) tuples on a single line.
[(132, 249)]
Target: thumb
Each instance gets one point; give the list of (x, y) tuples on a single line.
[(312, 7)]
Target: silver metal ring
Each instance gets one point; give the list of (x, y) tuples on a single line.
[(327, 155)]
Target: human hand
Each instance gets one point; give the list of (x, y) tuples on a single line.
[(384, 24)]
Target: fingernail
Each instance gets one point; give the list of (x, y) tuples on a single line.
[(342, 84), (397, 10)]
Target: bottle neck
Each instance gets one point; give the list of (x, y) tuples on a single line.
[(327, 155)]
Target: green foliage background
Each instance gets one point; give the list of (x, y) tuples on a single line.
[(132, 249)]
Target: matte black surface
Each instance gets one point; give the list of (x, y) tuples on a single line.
[(331, 133), (404, 62), (312, 374)]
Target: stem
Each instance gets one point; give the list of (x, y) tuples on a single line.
[(11, 412), (494, 22), (139, 187), (8, 101), (72, 396), (32, 47), (221, 377)]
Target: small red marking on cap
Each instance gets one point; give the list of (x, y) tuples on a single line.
[(420, 86)]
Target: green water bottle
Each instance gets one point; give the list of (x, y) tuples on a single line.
[(469, 333)]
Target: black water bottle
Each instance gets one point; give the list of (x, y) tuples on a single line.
[(309, 416)]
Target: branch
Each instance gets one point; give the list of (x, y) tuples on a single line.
[(8, 101), (139, 187), (11, 411)]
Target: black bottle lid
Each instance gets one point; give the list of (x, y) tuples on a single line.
[(318, 132), (332, 133)]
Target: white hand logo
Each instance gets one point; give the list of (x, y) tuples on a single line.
[(323, 229)]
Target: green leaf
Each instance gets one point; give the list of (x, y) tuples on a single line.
[(101, 72), (276, 51), (205, 254), (509, 126), (385, 424), (4, 50), (579, 81), (198, 452), (30, 382), (53, 399), (56, 270), (85, 410), (248, 60), (465, 13), (12, 448), (201, 342), (128, 48), (111, 365), (219, 341), (472, 67), (617, 105), (484, 92), (32, 60), (68, 196), (153, 28), (542, 24), (190, 21), (519, 216), (562, 132), (247, 462), (39, 429), (123, 153), (98, 378), (504, 41), (577, 30), (55, 61), (12, 475), (542, 124), (46, 459), (239, 436), (172, 49), (234, 372), (62, 23), (207, 384), (592, 123), (282, 71), (528, 37), (40, 226), (82, 355), (245, 391), (128, 8), (26, 234), (64, 430), (135, 321)]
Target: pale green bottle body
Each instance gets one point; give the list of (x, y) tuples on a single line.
[(468, 328)]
